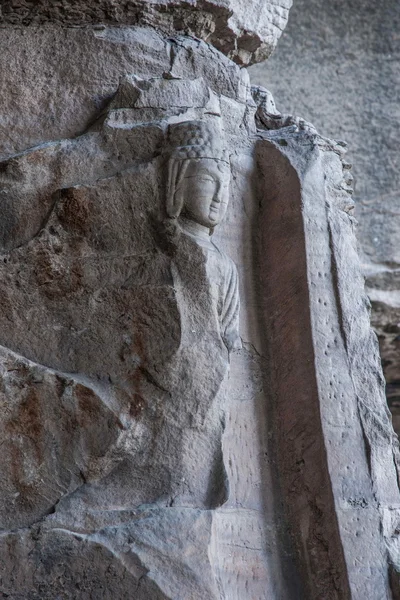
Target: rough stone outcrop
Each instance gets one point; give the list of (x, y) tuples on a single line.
[(119, 325), (333, 362), (191, 392), (246, 32), (341, 62)]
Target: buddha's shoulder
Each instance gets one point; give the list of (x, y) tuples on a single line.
[(221, 260), (224, 257)]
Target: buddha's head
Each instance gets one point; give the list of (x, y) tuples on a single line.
[(198, 173)]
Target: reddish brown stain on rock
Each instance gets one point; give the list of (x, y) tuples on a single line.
[(28, 423), (74, 211), (88, 404), (136, 405), (28, 420)]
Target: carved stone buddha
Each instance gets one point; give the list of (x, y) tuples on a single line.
[(197, 197), (180, 323)]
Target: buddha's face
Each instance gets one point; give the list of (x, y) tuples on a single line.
[(205, 191)]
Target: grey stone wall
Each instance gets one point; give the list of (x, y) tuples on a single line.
[(155, 444), (338, 66), (246, 32)]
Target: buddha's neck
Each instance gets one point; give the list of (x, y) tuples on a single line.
[(195, 229)]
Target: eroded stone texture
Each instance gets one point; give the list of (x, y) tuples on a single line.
[(339, 361), (123, 313), (155, 445), (245, 32), (78, 568), (54, 430), (342, 63)]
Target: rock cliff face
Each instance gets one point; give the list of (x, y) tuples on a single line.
[(338, 66), (119, 323), (246, 32), (192, 403)]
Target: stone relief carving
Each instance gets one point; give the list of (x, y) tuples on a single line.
[(121, 471), (268, 116), (132, 311), (197, 196)]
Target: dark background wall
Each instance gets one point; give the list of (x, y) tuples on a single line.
[(338, 66)]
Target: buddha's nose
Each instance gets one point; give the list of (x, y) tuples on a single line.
[(218, 193)]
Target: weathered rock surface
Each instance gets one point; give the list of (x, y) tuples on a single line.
[(245, 32), (58, 91), (341, 63), (155, 446), (117, 323), (55, 564), (333, 349), (54, 430)]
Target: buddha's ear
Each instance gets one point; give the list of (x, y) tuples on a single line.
[(175, 199)]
